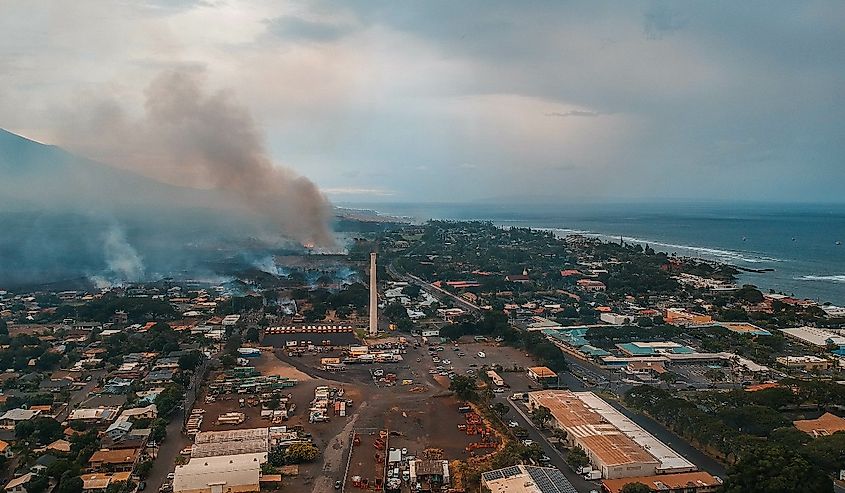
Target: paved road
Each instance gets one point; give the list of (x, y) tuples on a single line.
[(77, 396), (166, 461), (519, 415), (680, 445), (432, 290)]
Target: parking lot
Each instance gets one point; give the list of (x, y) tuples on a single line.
[(701, 375)]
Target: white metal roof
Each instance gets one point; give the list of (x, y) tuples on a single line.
[(228, 470)]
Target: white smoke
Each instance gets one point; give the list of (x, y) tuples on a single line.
[(123, 261), (205, 137)]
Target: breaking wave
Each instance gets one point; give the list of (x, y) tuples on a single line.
[(834, 278), (713, 253)]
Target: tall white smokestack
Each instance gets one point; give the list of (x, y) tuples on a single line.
[(373, 297)]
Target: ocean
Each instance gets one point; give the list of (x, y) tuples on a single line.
[(798, 242)]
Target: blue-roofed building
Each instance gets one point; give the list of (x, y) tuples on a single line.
[(653, 348), (682, 350), (592, 351), (572, 337), (632, 349)]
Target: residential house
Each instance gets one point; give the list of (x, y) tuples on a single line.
[(6, 449), (591, 285), (60, 445), (113, 460), (99, 482), (14, 416), (18, 485), (42, 463)]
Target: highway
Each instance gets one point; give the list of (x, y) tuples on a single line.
[(432, 290)]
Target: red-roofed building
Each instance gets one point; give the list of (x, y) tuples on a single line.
[(591, 285)]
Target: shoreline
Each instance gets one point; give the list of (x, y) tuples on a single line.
[(787, 276)]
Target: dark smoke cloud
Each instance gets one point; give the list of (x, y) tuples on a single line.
[(200, 138)]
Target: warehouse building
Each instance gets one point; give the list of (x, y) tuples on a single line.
[(615, 445), (815, 337), (689, 482), (230, 442), (224, 474), (808, 363)]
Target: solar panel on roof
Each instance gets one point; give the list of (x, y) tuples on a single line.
[(492, 475), (550, 480)]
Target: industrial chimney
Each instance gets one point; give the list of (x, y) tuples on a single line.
[(373, 297)]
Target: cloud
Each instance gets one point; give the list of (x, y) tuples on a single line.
[(382, 87), (660, 20), (566, 114), (297, 28), (358, 191)]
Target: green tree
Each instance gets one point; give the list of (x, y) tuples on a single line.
[(635, 488), (464, 387), (57, 469), (276, 457), (189, 361), (412, 291), (143, 469), (38, 484), (43, 430), (501, 408), (72, 484), (541, 416), (776, 470), (168, 399), (228, 361), (577, 458), (301, 452), (251, 334)]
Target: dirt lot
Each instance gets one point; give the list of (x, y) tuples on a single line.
[(268, 364), (420, 416)]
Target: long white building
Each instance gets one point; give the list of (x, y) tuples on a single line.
[(615, 445)]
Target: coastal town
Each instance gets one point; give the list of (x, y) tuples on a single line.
[(446, 356)]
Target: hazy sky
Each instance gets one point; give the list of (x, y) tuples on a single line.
[(463, 100)]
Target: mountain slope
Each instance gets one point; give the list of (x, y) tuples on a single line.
[(66, 217), (35, 175)]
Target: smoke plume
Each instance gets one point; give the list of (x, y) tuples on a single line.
[(122, 260), (204, 139)]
